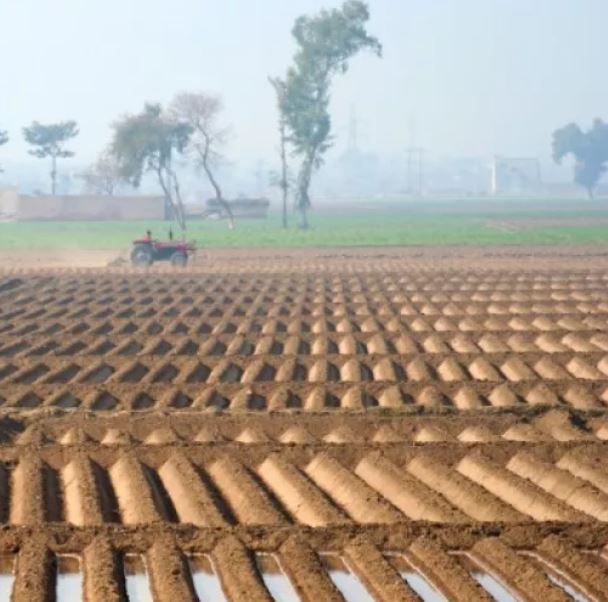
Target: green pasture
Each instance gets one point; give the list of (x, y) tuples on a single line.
[(387, 226)]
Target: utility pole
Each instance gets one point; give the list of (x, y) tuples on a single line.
[(259, 179), (420, 170), (353, 127), (415, 162), (415, 170)]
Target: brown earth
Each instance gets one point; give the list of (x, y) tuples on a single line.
[(57, 258), (424, 410), (280, 259)]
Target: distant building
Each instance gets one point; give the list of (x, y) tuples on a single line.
[(514, 175), (241, 208), (9, 201), (81, 207), (468, 176)]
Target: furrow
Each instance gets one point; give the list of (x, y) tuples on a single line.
[(560, 483), (33, 576), (301, 498), (528, 582), (247, 499), (379, 577), (82, 502), (587, 571), (28, 492), (406, 493), (304, 569), (466, 495), (446, 573), (133, 493), (169, 577), (361, 502), (394, 420), (192, 500), (524, 496), (102, 574), (588, 466), (239, 576)]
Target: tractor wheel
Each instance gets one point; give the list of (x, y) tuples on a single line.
[(179, 259), (141, 256)]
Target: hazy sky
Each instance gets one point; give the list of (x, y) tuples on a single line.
[(475, 77)]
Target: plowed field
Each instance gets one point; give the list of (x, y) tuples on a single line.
[(317, 425)]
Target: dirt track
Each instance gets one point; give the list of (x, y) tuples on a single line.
[(414, 410)]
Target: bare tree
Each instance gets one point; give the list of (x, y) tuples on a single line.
[(103, 177), (201, 112)]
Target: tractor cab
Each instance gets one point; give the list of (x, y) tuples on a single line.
[(148, 250)]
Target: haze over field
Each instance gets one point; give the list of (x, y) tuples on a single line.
[(471, 78), (327, 279)]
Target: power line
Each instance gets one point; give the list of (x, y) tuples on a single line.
[(415, 169)]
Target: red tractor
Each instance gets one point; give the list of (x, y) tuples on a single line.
[(147, 250)]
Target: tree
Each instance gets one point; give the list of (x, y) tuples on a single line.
[(325, 44), (104, 176), (3, 140), (49, 141), (282, 181), (201, 112), (149, 142), (589, 149)]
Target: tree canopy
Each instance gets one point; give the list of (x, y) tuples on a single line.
[(49, 141), (325, 44), (589, 149), (150, 141)]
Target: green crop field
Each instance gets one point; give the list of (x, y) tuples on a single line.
[(418, 224)]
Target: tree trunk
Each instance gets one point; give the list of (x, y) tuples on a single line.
[(279, 87), (285, 191), (175, 208), (304, 225), (284, 208), (302, 197), (204, 156), (53, 175), (218, 195), (284, 170), (178, 203)]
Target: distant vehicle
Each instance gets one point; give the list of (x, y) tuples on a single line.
[(241, 208), (146, 251)]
